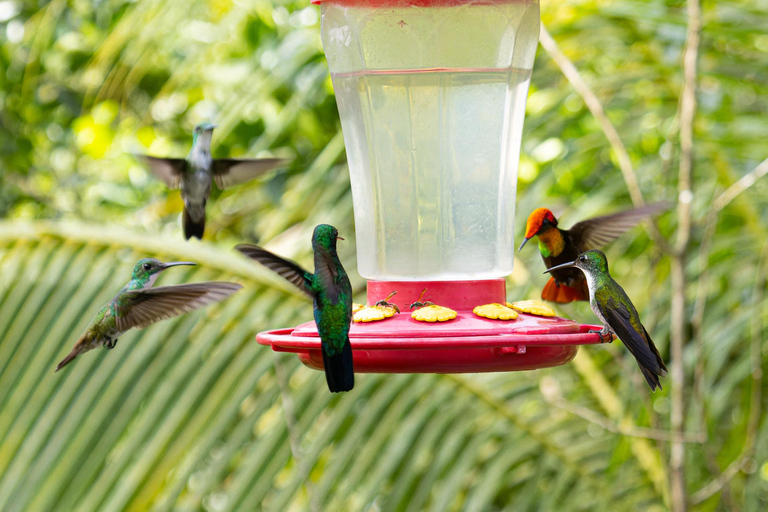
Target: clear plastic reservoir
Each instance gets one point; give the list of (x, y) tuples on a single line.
[(432, 98)]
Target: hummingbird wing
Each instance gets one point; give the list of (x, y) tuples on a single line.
[(169, 170), (140, 308), (619, 318), (327, 275), (595, 233), (230, 171), (287, 269)]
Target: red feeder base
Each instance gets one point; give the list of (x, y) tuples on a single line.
[(466, 344)]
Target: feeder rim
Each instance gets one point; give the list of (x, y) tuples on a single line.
[(282, 340)]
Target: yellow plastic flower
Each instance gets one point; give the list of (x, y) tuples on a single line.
[(532, 307), (357, 307), (495, 312), (373, 314), (433, 314)]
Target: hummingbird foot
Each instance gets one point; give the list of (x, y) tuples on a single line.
[(109, 343), (605, 335)]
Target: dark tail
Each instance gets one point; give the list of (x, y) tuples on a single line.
[(339, 372), (192, 227), (651, 378), (659, 370)]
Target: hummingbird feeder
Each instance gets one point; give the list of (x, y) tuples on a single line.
[(431, 95)]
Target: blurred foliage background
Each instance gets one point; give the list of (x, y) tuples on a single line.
[(192, 414)]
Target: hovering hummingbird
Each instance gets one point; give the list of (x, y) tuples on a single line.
[(331, 292), (610, 303), (138, 305), (562, 245), (195, 173)]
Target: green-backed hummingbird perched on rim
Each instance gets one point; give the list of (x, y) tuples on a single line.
[(610, 303), (194, 174), (138, 305), (331, 292)]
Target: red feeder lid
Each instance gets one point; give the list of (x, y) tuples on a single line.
[(466, 344)]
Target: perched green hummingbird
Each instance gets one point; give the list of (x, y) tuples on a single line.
[(562, 245), (331, 292), (195, 173), (610, 303), (138, 305)]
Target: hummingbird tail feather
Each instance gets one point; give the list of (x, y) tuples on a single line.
[(84, 344), (651, 378), (339, 372), (659, 370), (192, 228), (73, 354), (554, 292)]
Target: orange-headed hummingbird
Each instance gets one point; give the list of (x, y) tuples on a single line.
[(611, 305), (564, 245)]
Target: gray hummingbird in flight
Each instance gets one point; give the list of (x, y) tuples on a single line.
[(194, 174), (611, 305), (138, 305)]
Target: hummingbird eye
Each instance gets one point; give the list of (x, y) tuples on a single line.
[(147, 266)]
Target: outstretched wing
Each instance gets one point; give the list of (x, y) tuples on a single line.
[(169, 170), (230, 171), (287, 269), (595, 233), (140, 308)]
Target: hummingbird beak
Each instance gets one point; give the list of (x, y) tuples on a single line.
[(339, 238), (525, 241), (177, 263), (564, 265)]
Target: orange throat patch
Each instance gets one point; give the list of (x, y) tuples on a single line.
[(551, 243)]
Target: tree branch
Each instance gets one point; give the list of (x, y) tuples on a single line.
[(596, 108), (553, 398), (697, 318), (755, 409), (740, 186), (710, 227), (679, 281)]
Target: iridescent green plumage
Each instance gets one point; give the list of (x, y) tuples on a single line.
[(331, 292), (138, 305), (612, 306)]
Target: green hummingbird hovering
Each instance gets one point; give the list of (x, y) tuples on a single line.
[(610, 303), (138, 305), (331, 292), (195, 173)]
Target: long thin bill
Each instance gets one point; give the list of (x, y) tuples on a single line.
[(177, 263), (564, 265)]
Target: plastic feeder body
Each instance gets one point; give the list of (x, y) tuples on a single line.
[(432, 98)]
